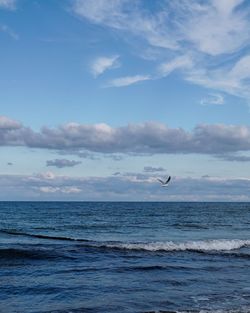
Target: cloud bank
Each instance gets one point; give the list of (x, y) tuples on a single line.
[(124, 187), (148, 137)]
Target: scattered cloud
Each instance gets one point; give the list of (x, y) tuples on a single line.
[(214, 27), (6, 29), (127, 80), (231, 78), (144, 138), (181, 62), (8, 4), (61, 163), (216, 99), (207, 41), (9, 163), (102, 64), (125, 16)]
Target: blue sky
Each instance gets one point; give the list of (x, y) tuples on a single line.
[(99, 98)]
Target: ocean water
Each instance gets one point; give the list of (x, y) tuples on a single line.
[(124, 257)]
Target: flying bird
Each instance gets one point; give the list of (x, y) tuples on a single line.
[(164, 183)]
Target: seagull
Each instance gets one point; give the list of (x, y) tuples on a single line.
[(164, 183)]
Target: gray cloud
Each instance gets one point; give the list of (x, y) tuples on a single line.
[(116, 173), (234, 158), (8, 124), (115, 157), (60, 163), (144, 138), (81, 154), (150, 169)]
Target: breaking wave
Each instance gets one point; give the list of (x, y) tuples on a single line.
[(203, 245), (168, 246)]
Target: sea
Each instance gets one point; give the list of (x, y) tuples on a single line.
[(124, 257)]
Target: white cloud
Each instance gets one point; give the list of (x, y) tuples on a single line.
[(124, 15), (127, 80), (206, 40), (8, 4), (102, 64), (48, 176), (8, 124), (216, 99), (48, 189), (241, 70), (67, 190), (233, 78), (181, 62), (71, 189), (215, 27)]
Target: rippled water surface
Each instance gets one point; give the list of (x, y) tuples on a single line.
[(124, 257)]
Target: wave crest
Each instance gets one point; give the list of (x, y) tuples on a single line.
[(202, 245)]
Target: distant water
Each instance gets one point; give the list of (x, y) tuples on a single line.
[(124, 257)]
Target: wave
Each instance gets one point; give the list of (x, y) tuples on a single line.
[(90, 310), (241, 310), (16, 254), (222, 245), (189, 225), (40, 236), (199, 246)]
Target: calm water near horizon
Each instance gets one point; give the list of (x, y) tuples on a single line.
[(124, 257)]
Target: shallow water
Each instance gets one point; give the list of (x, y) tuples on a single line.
[(124, 257)]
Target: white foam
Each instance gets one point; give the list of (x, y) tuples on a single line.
[(202, 245)]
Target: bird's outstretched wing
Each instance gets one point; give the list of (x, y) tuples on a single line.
[(164, 183), (161, 181), (168, 180)]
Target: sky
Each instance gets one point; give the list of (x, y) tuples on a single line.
[(100, 98)]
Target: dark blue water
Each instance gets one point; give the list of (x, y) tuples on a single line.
[(124, 257)]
